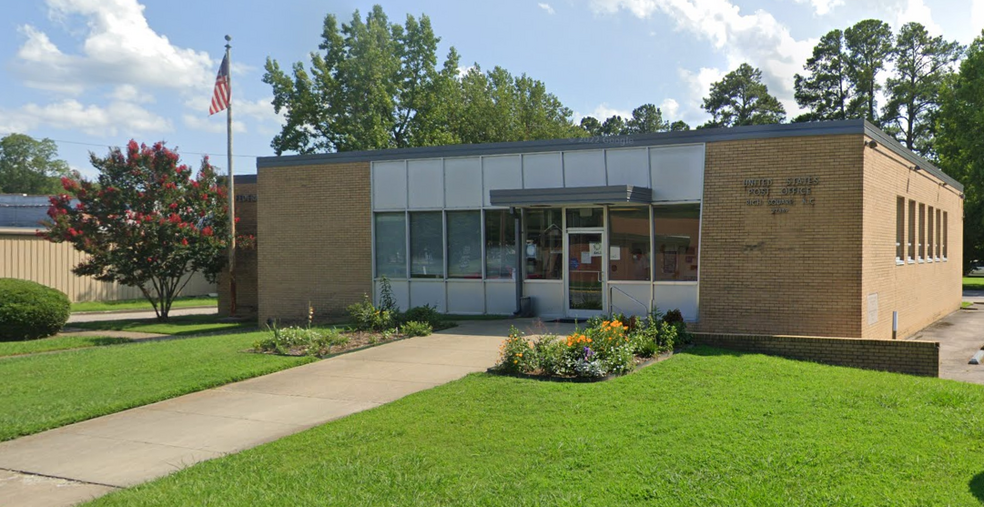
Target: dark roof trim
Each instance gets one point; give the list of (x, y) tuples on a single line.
[(615, 194), (891, 143), (587, 143)]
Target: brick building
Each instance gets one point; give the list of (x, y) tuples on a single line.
[(814, 229)]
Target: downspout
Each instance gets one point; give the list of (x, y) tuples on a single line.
[(518, 271)]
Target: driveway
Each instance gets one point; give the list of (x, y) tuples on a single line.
[(961, 335)]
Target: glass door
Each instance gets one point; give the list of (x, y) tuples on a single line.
[(585, 274)]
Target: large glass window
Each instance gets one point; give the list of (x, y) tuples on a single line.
[(464, 244), (912, 231), (585, 217), (628, 240), (946, 231), (544, 244), (391, 245), (939, 234), (921, 250), (426, 245), (500, 244), (899, 229), (930, 237), (677, 230)]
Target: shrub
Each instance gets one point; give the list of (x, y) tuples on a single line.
[(673, 317), (427, 314), (548, 354), (415, 328), (369, 318), (308, 341), (516, 353), (29, 310), (386, 300)]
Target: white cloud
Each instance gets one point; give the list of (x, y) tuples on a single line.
[(119, 47), (918, 11), (699, 83), (756, 38), (547, 7), (670, 109), (977, 16), (91, 119), (822, 7), (603, 112), (213, 124)]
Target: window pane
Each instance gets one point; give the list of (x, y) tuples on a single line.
[(391, 245), (899, 228), (500, 244), (585, 217), (930, 236), (628, 252), (465, 244), (946, 231), (544, 244), (939, 233), (921, 248), (912, 230), (426, 245), (677, 231)]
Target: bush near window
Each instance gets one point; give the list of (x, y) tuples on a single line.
[(366, 317), (29, 310), (606, 346)]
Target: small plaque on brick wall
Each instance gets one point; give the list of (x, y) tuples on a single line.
[(872, 308)]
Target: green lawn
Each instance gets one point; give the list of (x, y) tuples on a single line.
[(179, 325), (50, 390), (56, 343), (140, 304), (705, 427), (973, 283)]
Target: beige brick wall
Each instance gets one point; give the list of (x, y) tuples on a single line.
[(315, 242), (796, 272), (247, 298), (912, 357), (921, 293)]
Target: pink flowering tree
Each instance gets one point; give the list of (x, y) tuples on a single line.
[(147, 221)]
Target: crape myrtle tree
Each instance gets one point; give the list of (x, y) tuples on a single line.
[(145, 222)]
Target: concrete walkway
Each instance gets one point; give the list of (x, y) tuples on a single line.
[(143, 314), (74, 463), (961, 335)]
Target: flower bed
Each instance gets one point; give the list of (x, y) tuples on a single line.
[(606, 347)]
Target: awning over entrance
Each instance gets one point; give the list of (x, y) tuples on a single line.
[(613, 194)]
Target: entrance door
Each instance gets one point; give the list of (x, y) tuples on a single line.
[(585, 274)]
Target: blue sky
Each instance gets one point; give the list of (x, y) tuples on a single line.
[(96, 73)]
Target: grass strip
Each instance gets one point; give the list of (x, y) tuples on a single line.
[(178, 325), (140, 304), (49, 390), (56, 343), (973, 283), (707, 427)]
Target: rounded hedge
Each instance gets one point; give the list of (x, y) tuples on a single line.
[(29, 310)]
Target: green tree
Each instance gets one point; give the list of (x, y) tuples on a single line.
[(647, 118), (922, 63), (741, 98), (679, 126), (960, 144), (29, 166), (591, 125), (146, 222), (824, 90), (869, 47), (614, 126)]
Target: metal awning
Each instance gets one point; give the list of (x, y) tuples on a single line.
[(612, 194)]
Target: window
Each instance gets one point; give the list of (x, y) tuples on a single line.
[(939, 233), (585, 217), (899, 229), (391, 245), (500, 244), (464, 244), (677, 232), (929, 236), (945, 240), (544, 244), (921, 248), (912, 231), (426, 245), (628, 240)]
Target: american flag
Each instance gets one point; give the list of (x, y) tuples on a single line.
[(222, 92)]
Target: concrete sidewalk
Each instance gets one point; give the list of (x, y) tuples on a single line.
[(74, 463), (142, 314), (961, 335)]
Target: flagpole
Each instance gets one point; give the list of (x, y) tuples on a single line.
[(231, 191)]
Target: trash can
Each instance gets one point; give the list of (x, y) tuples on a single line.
[(526, 306)]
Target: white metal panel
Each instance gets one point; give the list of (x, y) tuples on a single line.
[(543, 170), (630, 298), (466, 297), (585, 168), (548, 298), (681, 296), (500, 297), (428, 292), (426, 183), (463, 182), (389, 185), (501, 172), (677, 172), (401, 292), (628, 166)]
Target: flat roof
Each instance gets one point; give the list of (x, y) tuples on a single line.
[(598, 142)]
